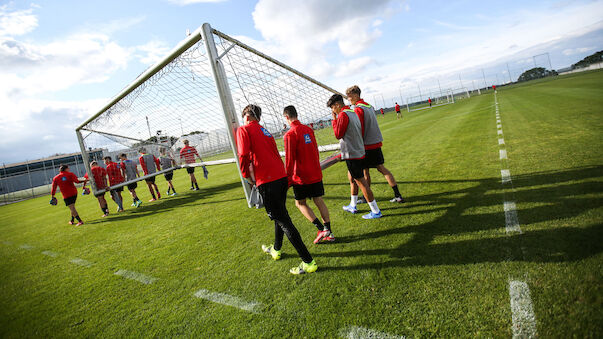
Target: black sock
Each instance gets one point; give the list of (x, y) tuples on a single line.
[(78, 218), (103, 209), (169, 188), (396, 192), (153, 195), (173, 190), (134, 200), (192, 184), (72, 218), (318, 224), (328, 226), (196, 185)]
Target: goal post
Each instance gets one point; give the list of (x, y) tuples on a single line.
[(421, 102), (197, 92)]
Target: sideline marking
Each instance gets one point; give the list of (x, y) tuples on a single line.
[(511, 219), (522, 312), (501, 141), (498, 121), (499, 126), (355, 332), (506, 176), (50, 254), (81, 262), (26, 247), (145, 279), (500, 132), (503, 154), (229, 300)]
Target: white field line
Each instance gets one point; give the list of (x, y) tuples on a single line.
[(81, 262), (522, 312), (499, 132), (498, 121), (229, 300), (506, 176), (355, 332), (50, 254), (7, 243), (26, 247), (145, 279), (511, 219), (501, 141), (503, 154), (499, 126)]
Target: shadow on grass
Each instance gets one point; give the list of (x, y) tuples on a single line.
[(553, 195)]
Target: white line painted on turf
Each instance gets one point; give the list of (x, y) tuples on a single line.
[(355, 332), (50, 254), (229, 300), (499, 132), (503, 154), (501, 141), (499, 126), (506, 176), (7, 243), (26, 247), (81, 262), (522, 312), (498, 121), (511, 219), (145, 279)]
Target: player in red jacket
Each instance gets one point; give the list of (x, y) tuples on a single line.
[(65, 181), (258, 153), (304, 173), (397, 111), (115, 174), (100, 181), (429, 101)]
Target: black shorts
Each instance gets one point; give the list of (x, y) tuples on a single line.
[(132, 186), (70, 200), (274, 195), (314, 190), (168, 176), (190, 170), (397, 112), (373, 158), (355, 167), (150, 180), (119, 189)]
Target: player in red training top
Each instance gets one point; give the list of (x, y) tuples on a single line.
[(382, 112), (115, 174), (304, 173), (188, 154), (100, 181), (429, 101), (65, 181), (494, 88), (397, 111), (258, 153), (150, 164)]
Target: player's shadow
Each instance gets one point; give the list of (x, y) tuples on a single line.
[(541, 198)]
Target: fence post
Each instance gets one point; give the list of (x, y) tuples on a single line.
[(6, 187), (29, 176)]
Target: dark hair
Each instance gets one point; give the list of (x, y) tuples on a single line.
[(63, 167), (253, 110), (353, 90), (107, 158), (290, 111), (334, 99), (123, 155)]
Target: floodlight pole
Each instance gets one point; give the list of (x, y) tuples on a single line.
[(509, 70), (485, 83), (228, 108), (440, 87)]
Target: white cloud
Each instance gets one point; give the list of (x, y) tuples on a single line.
[(354, 66), (377, 22), (152, 51), (16, 22), (572, 51)]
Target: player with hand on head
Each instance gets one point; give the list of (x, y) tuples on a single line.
[(130, 170), (188, 154), (347, 128), (304, 173), (65, 180), (166, 162), (257, 151), (116, 177), (150, 164), (100, 181)]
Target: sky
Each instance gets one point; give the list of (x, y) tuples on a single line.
[(61, 61)]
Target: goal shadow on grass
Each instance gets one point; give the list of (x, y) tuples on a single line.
[(552, 197)]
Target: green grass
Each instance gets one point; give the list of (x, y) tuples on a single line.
[(437, 266)]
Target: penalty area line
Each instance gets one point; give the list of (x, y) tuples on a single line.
[(81, 262), (229, 300), (511, 219), (355, 332), (50, 254), (522, 311), (145, 279)]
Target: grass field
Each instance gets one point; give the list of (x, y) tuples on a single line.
[(438, 266)]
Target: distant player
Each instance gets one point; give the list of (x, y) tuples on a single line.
[(494, 88), (150, 164), (114, 172), (398, 115), (382, 112), (304, 173), (65, 180), (188, 154), (257, 151), (429, 101), (130, 170), (100, 181), (347, 128), (373, 140), (166, 162)]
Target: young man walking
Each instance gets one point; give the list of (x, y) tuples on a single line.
[(188, 154), (116, 177), (304, 173), (347, 128), (397, 111), (373, 140), (65, 180), (166, 162), (99, 175), (257, 149), (150, 164), (130, 170)]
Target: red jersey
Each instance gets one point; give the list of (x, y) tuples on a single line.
[(397, 108), (340, 125), (65, 180), (257, 147), (382, 111), (360, 113), (429, 100), (100, 177), (301, 155), (114, 173), (188, 154)]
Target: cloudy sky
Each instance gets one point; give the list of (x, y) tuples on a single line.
[(61, 61)]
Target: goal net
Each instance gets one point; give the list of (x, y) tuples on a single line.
[(438, 98), (198, 93)]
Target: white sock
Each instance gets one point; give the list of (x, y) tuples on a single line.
[(373, 205), (354, 201)]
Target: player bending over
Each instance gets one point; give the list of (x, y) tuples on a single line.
[(166, 162), (65, 180), (100, 181), (188, 154), (115, 177), (150, 165), (304, 173), (130, 170), (348, 130), (256, 148)]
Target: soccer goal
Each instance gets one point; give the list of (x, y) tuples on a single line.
[(197, 93), (438, 98)]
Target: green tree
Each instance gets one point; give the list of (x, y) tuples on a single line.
[(591, 59), (535, 73)]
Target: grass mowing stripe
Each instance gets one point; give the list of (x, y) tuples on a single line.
[(81, 262), (145, 279), (229, 300), (356, 332), (522, 312), (50, 254), (503, 154), (505, 175), (511, 220)]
